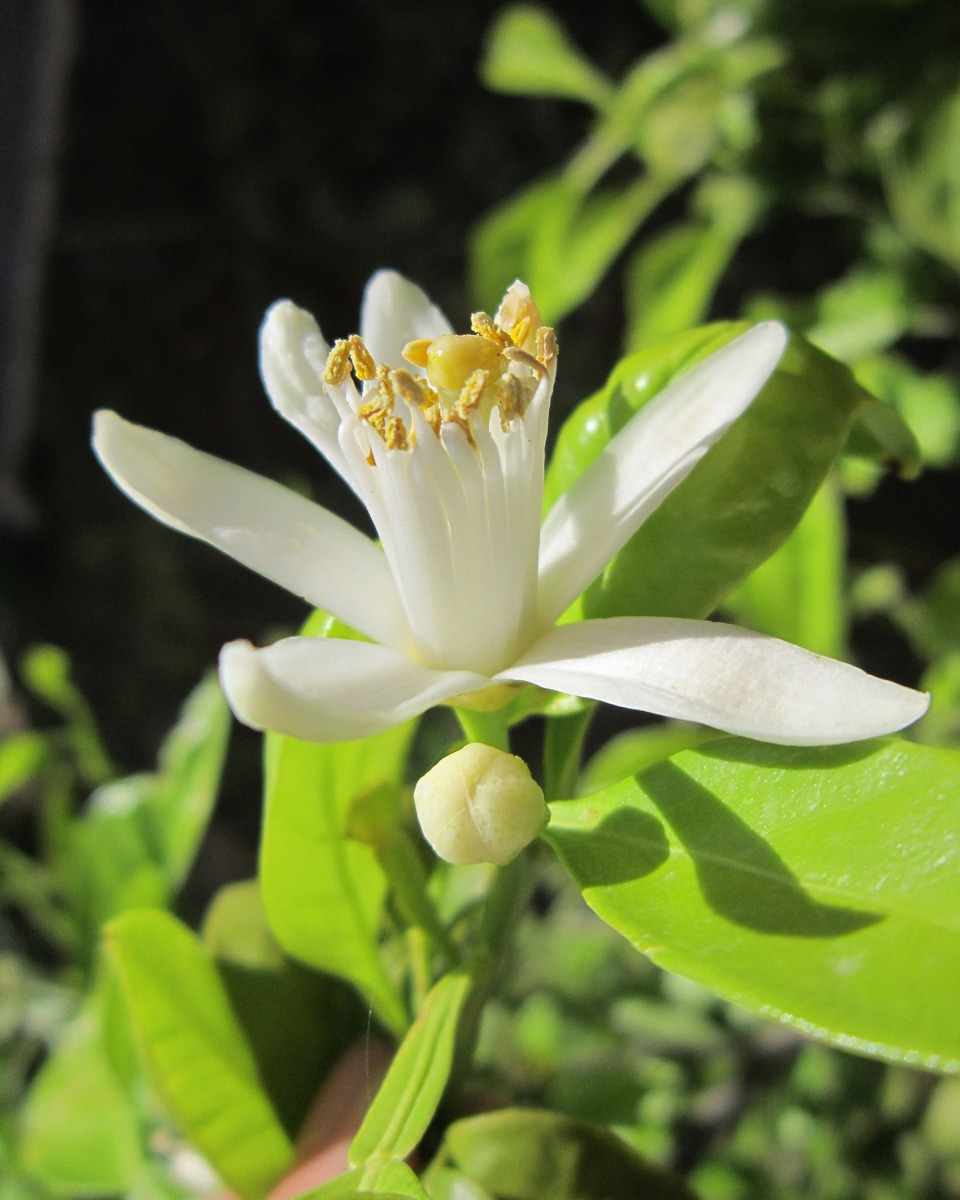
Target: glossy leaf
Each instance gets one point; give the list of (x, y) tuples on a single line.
[(797, 594), (528, 1155), (805, 884), (529, 53), (745, 495), (414, 1085), (194, 1051), (323, 891)]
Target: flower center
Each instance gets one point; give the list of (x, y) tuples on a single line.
[(466, 377)]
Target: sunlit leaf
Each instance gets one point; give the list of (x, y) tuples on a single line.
[(414, 1085), (194, 1050), (805, 884)]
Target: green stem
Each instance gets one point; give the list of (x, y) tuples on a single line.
[(490, 728), (562, 752)]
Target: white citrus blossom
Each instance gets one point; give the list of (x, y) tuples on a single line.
[(443, 442)]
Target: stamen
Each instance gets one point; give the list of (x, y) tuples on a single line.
[(472, 392), (483, 324), (362, 359), (512, 399), (338, 363), (395, 436), (547, 349)]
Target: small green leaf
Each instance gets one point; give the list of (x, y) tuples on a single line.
[(194, 1050), (80, 1133), (672, 277), (528, 53), (928, 404), (576, 240), (323, 891), (805, 884), (529, 1155), (921, 172), (46, 671), (21, 756), (409, 1095)]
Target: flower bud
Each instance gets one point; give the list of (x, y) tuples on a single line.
[(479, 805)]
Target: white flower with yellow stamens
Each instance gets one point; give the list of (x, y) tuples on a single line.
[(442, 439)]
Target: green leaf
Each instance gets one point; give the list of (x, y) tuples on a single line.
[(279, 1003), (414, 1085), (190, 764), (797, 594), (499, 245), (80, 1134), (194, 1050), (741, 500), (805, 884), (528, 53), (528, 1155), (921, 171), (46, 671), (575, 241), (928, 404), (21, 756), (862, 313), (633, 383), (879, 432), (672, 278), (323, 891)]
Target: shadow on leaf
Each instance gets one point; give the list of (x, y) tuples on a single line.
[(625, 845), (742, 877)]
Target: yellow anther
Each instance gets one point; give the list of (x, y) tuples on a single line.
[(416, 351), (338, 364), (453, 358), (547, 349), (472, 392), (512, 398), (362, 359), (385, 382), (395, 435), (409, 388), (483, 324), (433, 414)]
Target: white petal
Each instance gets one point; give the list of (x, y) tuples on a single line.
[(326, 690), (394, 312), (293, 354), (729, 678), (639, 467), (268, 528)]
